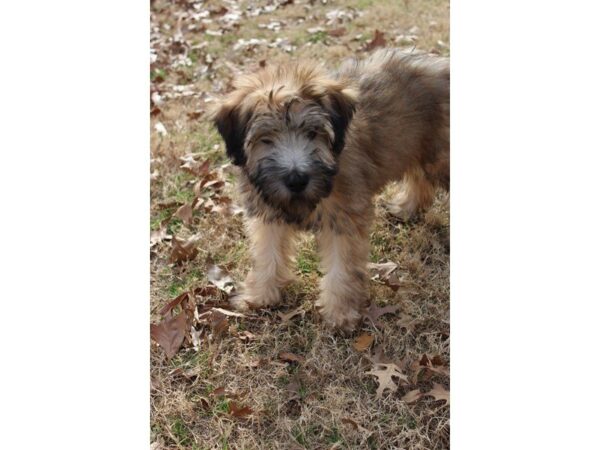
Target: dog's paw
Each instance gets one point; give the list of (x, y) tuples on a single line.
[(253, 297), (339, 315), (401, 210)]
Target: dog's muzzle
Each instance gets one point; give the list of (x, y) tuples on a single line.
[(296, 181)]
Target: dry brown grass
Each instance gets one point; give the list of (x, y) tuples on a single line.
[(295, 405)]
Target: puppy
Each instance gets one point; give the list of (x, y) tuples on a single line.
[(314, 149)]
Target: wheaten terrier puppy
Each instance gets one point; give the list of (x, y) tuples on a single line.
[(314, 149)]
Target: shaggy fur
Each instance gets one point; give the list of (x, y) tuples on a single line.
[(314, 149)]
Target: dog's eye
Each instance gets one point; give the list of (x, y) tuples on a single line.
[(267, 141), (311, 135)]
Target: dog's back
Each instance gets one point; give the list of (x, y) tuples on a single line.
[(402, 119)]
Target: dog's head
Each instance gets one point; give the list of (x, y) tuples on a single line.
[(285, 127)]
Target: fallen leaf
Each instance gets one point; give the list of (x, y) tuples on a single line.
[(160, 129), (196, 335), (354, 424), (228, 313), (374, 312), (197, 168), (259, 362), (218, 392), (382, 270), (173, 303), (407, 322), (246, 336), (337, 32), (363, 342), (385, 374), (393, 282), (157, 236), (218, 322), (439, 392), (290, 357), (183, 250), (193, 115), (238, 411), (213, 184), (286, 317), (220, 278), (385, 272), (218, 11), (378, 41), (169, 333), (412, 396), (350, 422), (379, 357), (205, 291), (435, 364), (185, 212)]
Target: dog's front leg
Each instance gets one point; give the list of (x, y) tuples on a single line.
[(271, 248), (344, 288)]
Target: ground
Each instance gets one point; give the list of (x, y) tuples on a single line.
[(267, 380)]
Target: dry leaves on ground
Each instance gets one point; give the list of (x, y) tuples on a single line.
[(431, 365), (290, 357), (170, 333), (220, 278), (438, 392), (239, 411), (363, 342), (374, 312), (377, 41), (385, 374), (183, 250), (199, 319), (386, 272), (160, 235), (286, 317)]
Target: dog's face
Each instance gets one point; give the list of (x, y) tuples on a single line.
[(286, 128)]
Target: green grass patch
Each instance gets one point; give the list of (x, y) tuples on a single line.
[(363, 4), (319, 36), (334, 436), (181, 433), (159, 216), (307, 262)]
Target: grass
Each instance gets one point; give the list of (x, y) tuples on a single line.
[(294, 405)]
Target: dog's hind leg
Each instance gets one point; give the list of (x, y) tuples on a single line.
[(416, 195), (272, 255)]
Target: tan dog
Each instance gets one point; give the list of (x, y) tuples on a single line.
[(314, 149)]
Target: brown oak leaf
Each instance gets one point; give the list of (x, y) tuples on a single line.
[(169, 333), (185, 212), (197, 168), (363, 342), (374, 312), (183, 250), (239, 411), (290, 357), (286, 317), (385, 374), (412, 396), (378, 41), (439, 392)]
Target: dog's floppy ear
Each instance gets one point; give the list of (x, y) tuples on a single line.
[(341, 104), (231, 124)]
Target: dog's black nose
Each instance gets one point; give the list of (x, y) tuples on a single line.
[(296, 181)]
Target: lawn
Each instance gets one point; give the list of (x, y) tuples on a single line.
[(279, 378)]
